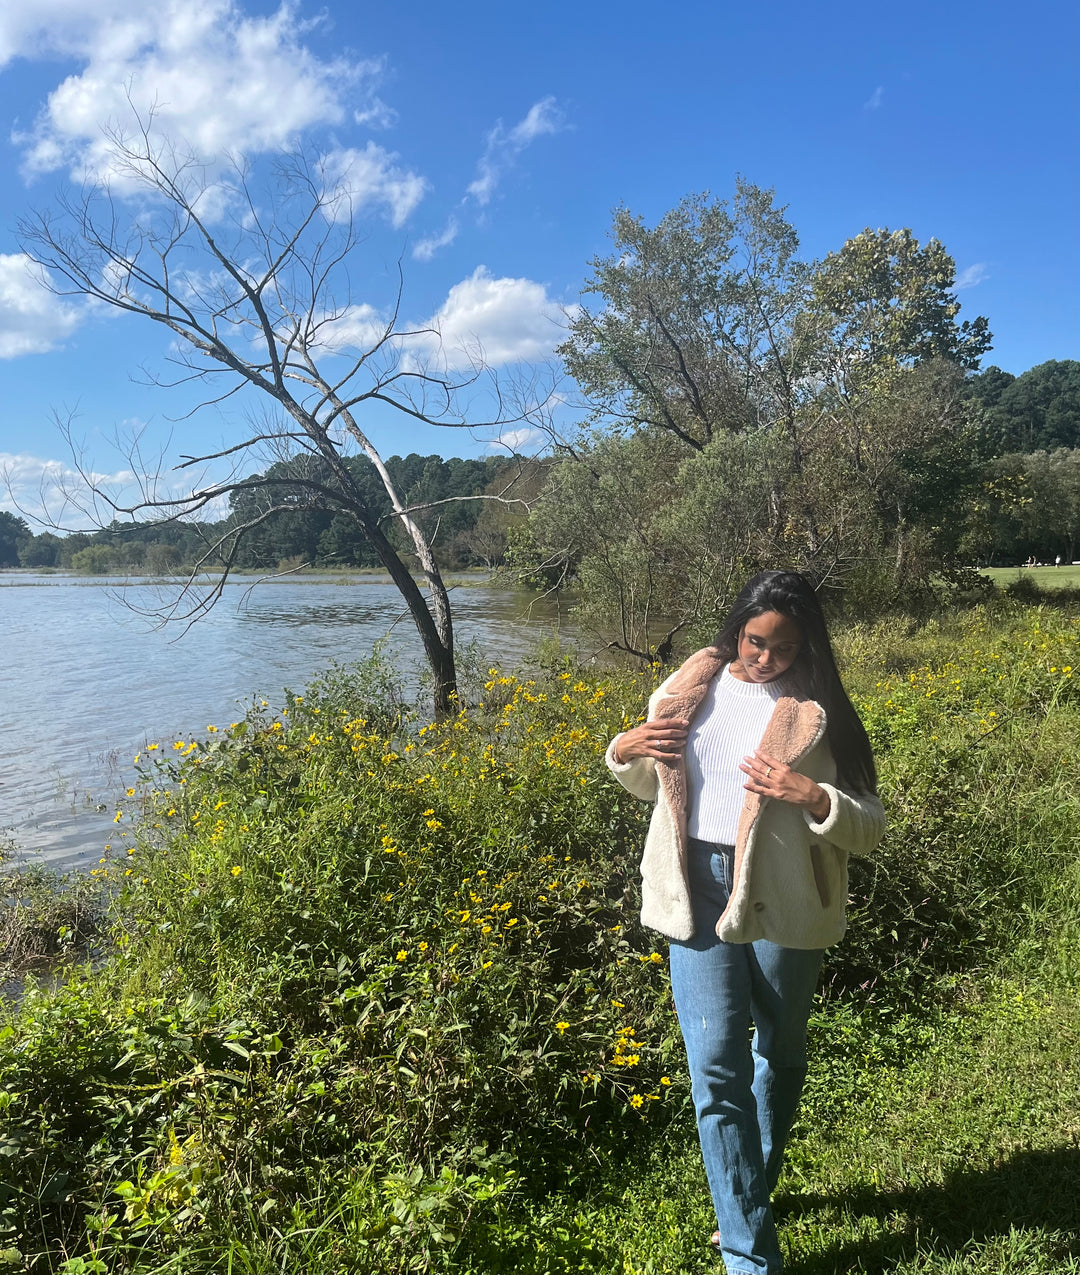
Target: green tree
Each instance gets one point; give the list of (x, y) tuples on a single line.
[(697, 330), (1050, 522), (654, 537), (985, 388), (487, 541), (1040, 409), (886, 303), (890, 420), (163, 559), (843, 380), (40, 551), (94, 560), (14, 533), (888, 479), (343, 544)]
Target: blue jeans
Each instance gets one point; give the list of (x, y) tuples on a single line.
[(745, 1092)]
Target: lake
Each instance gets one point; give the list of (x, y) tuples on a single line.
[(86, 681)]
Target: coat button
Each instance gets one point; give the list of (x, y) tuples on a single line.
[(759, 907)]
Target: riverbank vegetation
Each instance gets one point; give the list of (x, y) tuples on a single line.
[(374, 997)]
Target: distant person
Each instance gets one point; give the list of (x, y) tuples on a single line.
[(1057, 561), (763, 780)]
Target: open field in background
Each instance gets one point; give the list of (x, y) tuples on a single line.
[(1067, 576), (376, 999)]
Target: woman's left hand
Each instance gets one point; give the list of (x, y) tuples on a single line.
[(772, 778)]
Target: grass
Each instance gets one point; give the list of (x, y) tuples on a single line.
[(1067, 576), (959, 1157), (375, 997)]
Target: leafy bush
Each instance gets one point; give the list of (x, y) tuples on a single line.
[(973, 725)]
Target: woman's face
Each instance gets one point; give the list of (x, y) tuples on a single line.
[(768, 646)]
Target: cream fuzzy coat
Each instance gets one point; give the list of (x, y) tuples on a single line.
[(790, 878)]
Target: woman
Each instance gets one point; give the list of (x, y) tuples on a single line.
[(763, 781)]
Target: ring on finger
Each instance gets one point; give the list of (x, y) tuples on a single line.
[(768, 771)]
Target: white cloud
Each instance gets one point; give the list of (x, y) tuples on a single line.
[(32, 319), (543, 117), (504, 146), (483, 320), (60, 27), (52, 493), (972, 276), (497, 321), (516, 440), (360, 178), (59, 495), (358, 328), (214, 80), (875, 99), (427, 248)]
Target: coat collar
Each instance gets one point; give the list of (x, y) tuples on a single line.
[(794, 728)]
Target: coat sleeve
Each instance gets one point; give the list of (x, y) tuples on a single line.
[(855, 823), (637, 776)]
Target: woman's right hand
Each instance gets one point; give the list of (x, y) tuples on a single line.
[(661, 740)]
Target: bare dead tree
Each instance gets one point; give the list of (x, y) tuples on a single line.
[(255, 285)]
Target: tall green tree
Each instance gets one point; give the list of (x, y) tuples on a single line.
[(822, 401), (14, 533), (695, 328), (887, 302)]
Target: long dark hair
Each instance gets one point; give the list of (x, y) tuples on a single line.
[(814, 669)]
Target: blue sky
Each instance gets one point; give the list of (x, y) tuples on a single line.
[(490, 144)]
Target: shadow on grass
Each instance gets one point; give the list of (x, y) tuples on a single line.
[(1033, 1191)]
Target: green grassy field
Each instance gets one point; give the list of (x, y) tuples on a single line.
[(1063, 577), (375, 998)]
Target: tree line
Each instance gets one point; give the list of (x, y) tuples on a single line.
[(1020, 502), (464, 516)]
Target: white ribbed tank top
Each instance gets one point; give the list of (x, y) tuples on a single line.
[(726, 728)]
